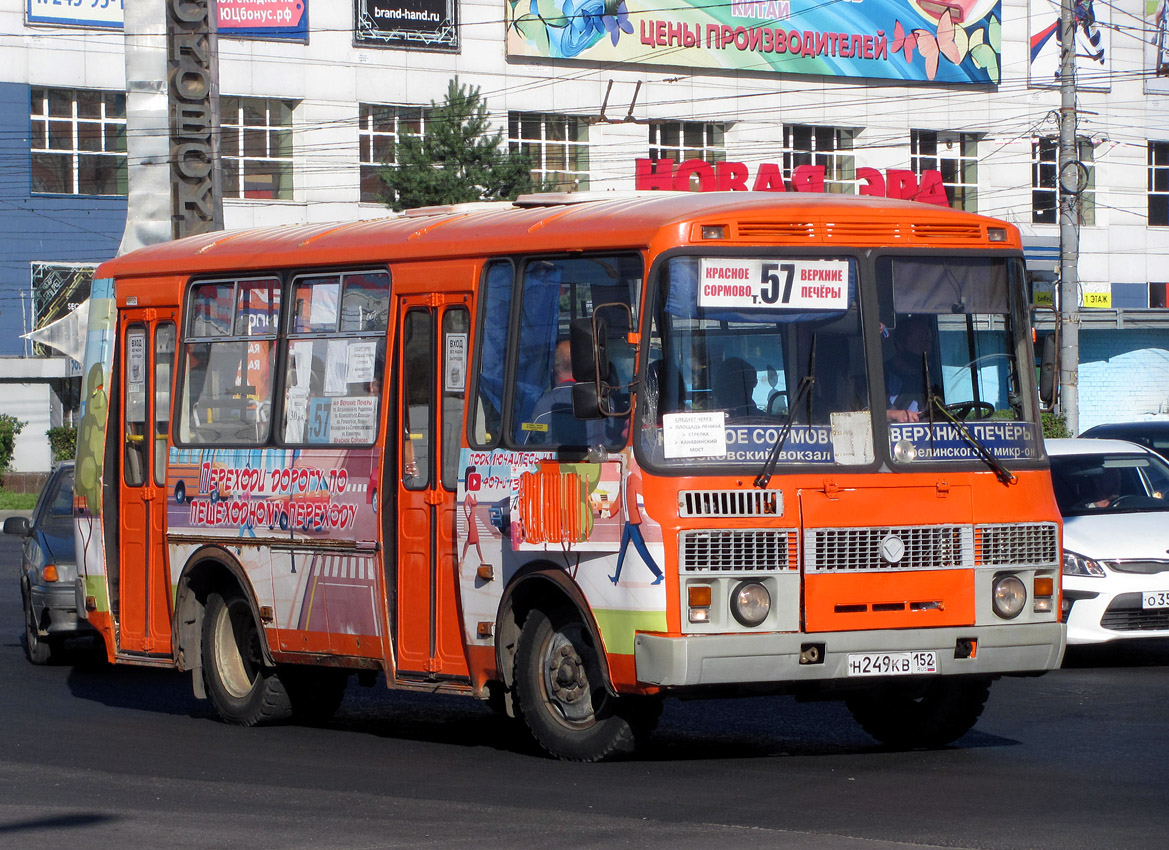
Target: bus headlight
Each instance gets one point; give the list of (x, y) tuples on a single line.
[(750, 603), (1010, 595)]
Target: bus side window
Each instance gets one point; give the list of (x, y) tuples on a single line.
[(456, 322), (492, 356), (417, 383), (164, 358), (135, 410)]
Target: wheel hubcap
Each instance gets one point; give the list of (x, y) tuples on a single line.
[(566, 679)]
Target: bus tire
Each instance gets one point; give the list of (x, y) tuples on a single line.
[(315, 693), (561, 694), (915, 715), (244, 690)]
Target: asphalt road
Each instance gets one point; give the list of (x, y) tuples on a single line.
[(93, 756)]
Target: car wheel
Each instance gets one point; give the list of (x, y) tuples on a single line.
[(180, 493), (38, 650), (910, 715), (244, 690), (561, 694)]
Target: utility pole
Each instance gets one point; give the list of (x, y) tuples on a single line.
[(1071, 183)]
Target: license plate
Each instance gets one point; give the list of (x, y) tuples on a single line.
[(1155, 599), (893, 663)]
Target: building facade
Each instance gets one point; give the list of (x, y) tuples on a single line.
[(889, 97)]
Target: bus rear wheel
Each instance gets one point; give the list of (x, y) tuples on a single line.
[(244, 690), (314, 692), (561, 692), (911, 715)]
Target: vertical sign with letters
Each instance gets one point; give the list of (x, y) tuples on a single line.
[(193, 93)]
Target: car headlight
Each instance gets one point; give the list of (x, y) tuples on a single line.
[(1010, 595), (1077, 565), (750, 603)]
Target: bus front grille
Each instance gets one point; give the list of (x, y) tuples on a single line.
[(737, 550), (729, 503), (1016, 543), (930, 547)]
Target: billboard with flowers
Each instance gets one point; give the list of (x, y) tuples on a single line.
[(942, 41)]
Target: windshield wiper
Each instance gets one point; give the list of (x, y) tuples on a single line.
[(1001, 472), (805, 387)]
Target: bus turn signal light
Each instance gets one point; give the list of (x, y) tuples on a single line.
[(698, 597), (1044, 589), (49, 573)]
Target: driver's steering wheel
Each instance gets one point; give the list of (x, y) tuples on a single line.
[(970, 409)]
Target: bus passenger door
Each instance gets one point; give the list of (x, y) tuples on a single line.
[(143, 590), (431, 371)]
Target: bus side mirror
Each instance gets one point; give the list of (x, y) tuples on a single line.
[(586, 404), (590, 360), (588, 340), (1048, 367)]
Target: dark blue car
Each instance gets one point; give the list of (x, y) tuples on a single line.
[(48, 570)]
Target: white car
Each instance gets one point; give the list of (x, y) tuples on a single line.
[(1114, 497)]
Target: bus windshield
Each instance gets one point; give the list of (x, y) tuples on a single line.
[(952, 350), (735, 340), (731, 340)]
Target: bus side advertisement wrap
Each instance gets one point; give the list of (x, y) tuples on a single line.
[(91, 451), (516, 508)]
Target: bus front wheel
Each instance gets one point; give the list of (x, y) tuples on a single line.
[(929, 715), (244, 690), (562, 696)]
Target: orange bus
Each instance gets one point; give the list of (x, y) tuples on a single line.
[(573, 455)]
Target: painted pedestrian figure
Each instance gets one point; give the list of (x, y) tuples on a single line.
[(630, 494)]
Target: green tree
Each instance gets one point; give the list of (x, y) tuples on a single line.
[(10, 426), (457, 159)]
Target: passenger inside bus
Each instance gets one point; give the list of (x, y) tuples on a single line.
[(552, 419), (910, 339), (734, 384)]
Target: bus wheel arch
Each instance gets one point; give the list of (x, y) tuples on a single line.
[(538, 586), (550, 654), (210, 570)]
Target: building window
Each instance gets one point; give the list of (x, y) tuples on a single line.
[(1159, 184), (57, 290), (379, 129), (78, 142), (557, 147), (831, 147), (955, 155), (257, 147), (683, 140), (1045, 182)]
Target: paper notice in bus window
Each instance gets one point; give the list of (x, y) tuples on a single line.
[(295, 414), (359, 362), (773, 284), (136, 360), (336, 367), (695, 434), (455, 365), (322, 312), (353, 420)]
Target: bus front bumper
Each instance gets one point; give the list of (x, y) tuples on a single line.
[(774, 658)]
